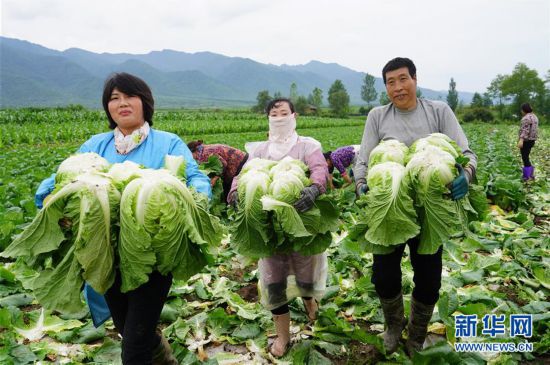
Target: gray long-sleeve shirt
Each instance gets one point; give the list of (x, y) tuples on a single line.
[(429, 116)]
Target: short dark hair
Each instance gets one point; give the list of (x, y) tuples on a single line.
[(130, 85), (275, 103), (327, 155), (193, 145), (526, 107), (397, 63)]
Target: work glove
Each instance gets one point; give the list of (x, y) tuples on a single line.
[(361, 187), (307, 198), (234, 199), (459, 186)]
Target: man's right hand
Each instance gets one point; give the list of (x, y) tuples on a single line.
[(361, 187)]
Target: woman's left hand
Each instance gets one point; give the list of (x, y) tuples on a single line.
[(520, 143)]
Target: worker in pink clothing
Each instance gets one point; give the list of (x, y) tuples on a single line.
[(284, 277)]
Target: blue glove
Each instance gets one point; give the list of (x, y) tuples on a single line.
[(459, 186), (307, 198), (361, 187)]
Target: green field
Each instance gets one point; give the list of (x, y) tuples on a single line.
[(501, 266)]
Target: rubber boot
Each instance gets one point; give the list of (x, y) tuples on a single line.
[(418, 325), (282, 327), (525, 171), (531, 173), (394, 315), (311, 307), (162, 354)]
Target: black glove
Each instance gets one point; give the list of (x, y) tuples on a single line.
[(307, 198), (234, 199), (361, 187)]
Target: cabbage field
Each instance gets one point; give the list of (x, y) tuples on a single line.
[(500, 265)]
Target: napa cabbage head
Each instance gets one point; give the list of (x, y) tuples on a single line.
[(163, 228), (123, 173), (258, 164), (438, 140), (386, 151), (176, 165), (286, 187), (252, 185), (83, 252), (432, 166), (250, 231), (430, 172), (390, 214), (288, 165), (386, 174), (77, 164)]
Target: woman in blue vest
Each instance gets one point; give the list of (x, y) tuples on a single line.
[(129, 105)]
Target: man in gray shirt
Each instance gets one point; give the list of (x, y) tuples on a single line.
[(407, 119)]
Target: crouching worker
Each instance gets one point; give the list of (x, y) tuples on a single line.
[(342, 158)]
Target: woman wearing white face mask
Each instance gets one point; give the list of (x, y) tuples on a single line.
[(284, 277)]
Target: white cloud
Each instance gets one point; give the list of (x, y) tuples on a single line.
[(470, 40)]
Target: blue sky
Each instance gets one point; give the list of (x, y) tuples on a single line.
[(469, 40)]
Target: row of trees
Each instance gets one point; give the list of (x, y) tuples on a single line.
[(502, 98), (505, 94), (338, 99)]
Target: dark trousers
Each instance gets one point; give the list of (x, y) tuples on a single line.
[(386, 275), (525, 151), (136, 314)]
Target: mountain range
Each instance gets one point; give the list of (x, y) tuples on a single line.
[(33, 75)]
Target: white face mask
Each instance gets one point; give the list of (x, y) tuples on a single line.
[(282, 136), (281, 129)]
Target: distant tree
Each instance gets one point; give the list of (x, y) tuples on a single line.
[(338, 99), (452, 96), (418, 93), (262, 99), (546, 105), (384, 98), (523, 85), (301, 104), (277, 95), (293, 95), (494, 91), (487, 100), (316, 98), (368, 92), (477, 101)]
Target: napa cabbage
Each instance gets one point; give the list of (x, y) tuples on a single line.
[(176, 165), (78, 164), (164, 228), (409, 195), (84, 251), (148, 218), (267, 222), (123, 173), (386, 151), (391, 217)]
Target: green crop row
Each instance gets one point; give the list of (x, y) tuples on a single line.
[(47, 127)]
